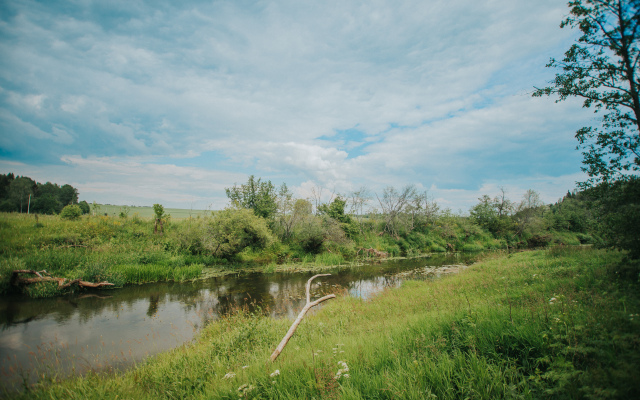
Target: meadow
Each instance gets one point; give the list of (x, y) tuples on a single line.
[(125, 250), (557, 323), (145, 212)]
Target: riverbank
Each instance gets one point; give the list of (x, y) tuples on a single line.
[(560, 323), (125, 251)]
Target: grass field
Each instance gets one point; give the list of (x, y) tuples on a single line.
[(555, 324), (147, 212)]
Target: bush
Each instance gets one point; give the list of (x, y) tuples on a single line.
[(226, 234), (72, 211)]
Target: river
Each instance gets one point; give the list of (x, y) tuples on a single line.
[(114, 329)]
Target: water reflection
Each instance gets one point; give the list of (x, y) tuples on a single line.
[(113, 329)]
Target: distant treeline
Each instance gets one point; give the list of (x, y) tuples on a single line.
[(23, 194)]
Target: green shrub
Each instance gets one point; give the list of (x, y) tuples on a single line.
[(72, 211)]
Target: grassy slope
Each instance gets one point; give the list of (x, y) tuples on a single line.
[(545, 324)]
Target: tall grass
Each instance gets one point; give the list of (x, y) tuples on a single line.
[(329, 259), (544, 324)]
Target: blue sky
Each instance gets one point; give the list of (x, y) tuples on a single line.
[(142, 102)]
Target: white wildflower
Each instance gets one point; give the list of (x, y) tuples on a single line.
[(342, 371), (229, 375), (275, 373), (245, 367), (244, 390)]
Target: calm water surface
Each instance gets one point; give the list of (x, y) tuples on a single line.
[(113, 329)]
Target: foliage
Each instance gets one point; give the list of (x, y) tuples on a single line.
[(602, 69), (71, 211), (47, 198), (232, 230), (572, 213), (494, 214), (617, 206), (336, 211), (20, 191), (406, 209), (68, 195), (84, 206), (261, 197), (158, 210)]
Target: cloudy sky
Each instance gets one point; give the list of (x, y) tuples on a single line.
[(142, 102)]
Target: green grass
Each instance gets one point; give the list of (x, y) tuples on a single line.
[(147, 212), (560, 323), (329, 259)]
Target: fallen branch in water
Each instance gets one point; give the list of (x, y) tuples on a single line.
[(16, 279), (295, 324)]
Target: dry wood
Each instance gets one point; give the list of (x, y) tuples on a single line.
[(372, 251), (16, 279), (295, 324)]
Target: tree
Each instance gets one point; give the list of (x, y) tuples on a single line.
[(617, 207), (528, 215), (494, 214), (21, 188), (602, 69), (261, 197), (46, 204), (286, 216), (158, 226), (5, 183), (336, 211), (393, 204), (84, 206), (68, 195)]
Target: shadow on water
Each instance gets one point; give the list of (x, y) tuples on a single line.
[(110, 330)]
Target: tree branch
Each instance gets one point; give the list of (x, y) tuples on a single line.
[(295, 324)]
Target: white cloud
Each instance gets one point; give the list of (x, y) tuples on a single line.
[(438, 90)]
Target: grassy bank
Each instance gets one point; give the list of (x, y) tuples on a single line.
[(125, 250), (560, 323)]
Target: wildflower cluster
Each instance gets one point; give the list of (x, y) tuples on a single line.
[(245, 390), (275, 373), (342, 372), (229, 375), (552, 300), (337, 350)]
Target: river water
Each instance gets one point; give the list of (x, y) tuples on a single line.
[(113, 329)]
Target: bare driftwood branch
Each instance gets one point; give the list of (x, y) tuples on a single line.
[(16, 279), (295, 324)]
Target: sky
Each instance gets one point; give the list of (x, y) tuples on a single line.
[(143, 102)]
